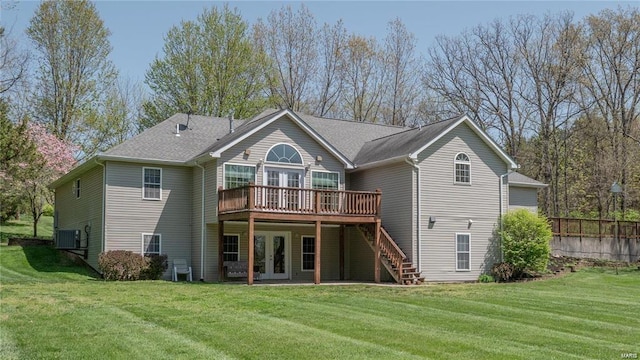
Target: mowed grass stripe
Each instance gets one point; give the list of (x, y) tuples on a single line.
[(226, 325), (415, 323)]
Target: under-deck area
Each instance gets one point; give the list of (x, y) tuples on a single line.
[(258, 203)]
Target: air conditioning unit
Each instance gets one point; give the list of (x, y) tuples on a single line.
[(68, 239)]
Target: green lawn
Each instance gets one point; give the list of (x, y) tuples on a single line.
[(52, 309), (24, 228)]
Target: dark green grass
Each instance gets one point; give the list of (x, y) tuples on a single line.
[(52, 309), (24, 228)]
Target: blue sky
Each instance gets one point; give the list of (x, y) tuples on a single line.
[(138, 27)]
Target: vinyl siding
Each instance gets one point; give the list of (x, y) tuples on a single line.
[(128, 215), (397, 182), (453, 205), (196, 221), (523, 198), (286, 131), (330, 252), (75, 213)]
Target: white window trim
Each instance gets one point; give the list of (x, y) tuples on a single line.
[(302, 252), (460, 252), (284, 164), (143, 183), (224, 172), (159, 245), (455, 162), (77, 188), (222, 244), (326, 172)]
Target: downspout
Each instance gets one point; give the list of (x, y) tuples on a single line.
[(202, 222), (104, 195), (414, 163), (502, 210)]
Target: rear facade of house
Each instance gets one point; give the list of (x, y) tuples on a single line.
[(298, 198)]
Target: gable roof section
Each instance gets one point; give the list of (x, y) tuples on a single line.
[(518, 180), (410, 143), (250, 127)]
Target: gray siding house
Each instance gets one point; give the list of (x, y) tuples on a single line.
[(297, 197)]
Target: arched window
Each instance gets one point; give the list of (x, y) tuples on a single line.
[(283, 153), (462, 169)]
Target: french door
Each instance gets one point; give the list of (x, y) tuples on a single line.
[(280, 198), (271, 254)]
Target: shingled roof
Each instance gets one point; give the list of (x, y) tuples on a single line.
[(401, 144), (161, 143), (517, 179)]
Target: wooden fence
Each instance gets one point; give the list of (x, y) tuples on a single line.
[(596, 239)]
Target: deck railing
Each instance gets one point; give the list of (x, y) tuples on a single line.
[(298, 200)]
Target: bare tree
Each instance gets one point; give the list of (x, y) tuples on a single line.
[(330, 83), (401, 97), (290, 40), (13, 61), (611, 80), (480, 73), (364, 79), (551, 60)]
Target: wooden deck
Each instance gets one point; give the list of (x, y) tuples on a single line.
[(271, 203)]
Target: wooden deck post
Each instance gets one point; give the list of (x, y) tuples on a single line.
[(376, 266), (220, 250), (341, 245), (316, 267), (251, 201), (251, 250)]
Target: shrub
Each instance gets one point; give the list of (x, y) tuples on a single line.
[(525, 241), (47, 210), (121, 265), (486, 278), (502, 271), (156, 266)]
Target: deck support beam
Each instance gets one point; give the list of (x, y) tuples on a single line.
[(316, 265), (251, 250), (376, 266), (220, 250), (341, 245)]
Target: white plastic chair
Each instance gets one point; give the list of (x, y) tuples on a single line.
[(180, 267)]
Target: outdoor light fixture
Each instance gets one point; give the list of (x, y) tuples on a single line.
[(432, 219), (260, 162)]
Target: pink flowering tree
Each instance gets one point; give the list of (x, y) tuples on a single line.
[(55, 157)]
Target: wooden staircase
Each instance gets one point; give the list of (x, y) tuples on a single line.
[(392, 257)]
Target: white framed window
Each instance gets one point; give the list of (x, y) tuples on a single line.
[(238, 175), (231, 247), (284, 153), (463, 253), (151, 183), (76, 188), (462, 169), (151, 244), (308, 253), (325, 180)]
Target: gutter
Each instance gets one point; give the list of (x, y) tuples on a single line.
[(202, 223), (414, 163), (501, 188)]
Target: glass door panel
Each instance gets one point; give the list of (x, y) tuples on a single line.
[(259, 253), (279, 255)]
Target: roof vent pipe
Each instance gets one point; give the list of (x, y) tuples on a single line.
[(177, 129), (231, 121)]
